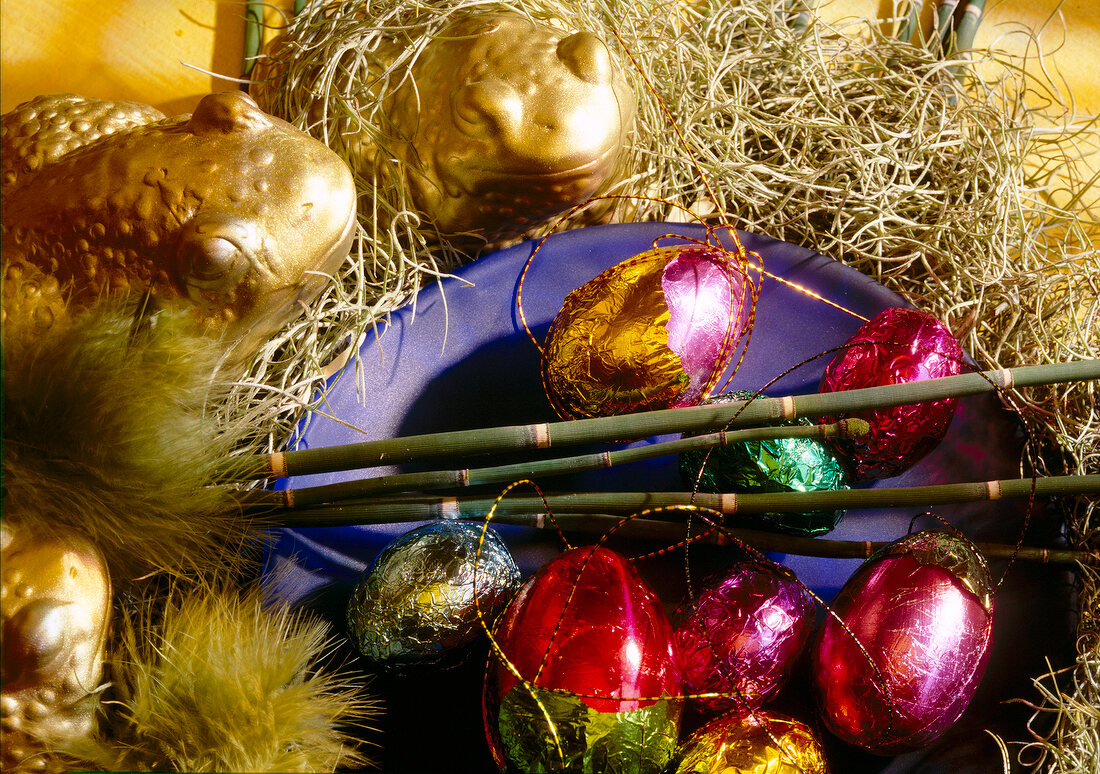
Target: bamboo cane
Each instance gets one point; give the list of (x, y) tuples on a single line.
[(692, 419), (670, 532), (418, 507), (501, 474)]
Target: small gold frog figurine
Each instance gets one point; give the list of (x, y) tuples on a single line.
[(507, 122), (229, 208), (55, 603)]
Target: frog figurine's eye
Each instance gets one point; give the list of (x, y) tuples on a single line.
[(215, 255), (587, 57), (487, 108)]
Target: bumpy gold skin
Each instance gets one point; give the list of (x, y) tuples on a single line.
[(55, 603), (506, 122), (229, 208)]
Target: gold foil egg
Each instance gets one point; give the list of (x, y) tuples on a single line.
[(652, 332), (232, 210), (55, 603), (760, 742), (507, 122)]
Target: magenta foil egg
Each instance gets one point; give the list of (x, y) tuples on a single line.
[(652, 332), (901, 659), (898, 346), (743, 635)]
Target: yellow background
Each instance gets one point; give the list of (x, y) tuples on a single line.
[(140, 49)]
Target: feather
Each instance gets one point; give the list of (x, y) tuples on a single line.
[(214, 680), (110, 430)]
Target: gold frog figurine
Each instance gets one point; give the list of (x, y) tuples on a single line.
[(55, 603), (230, 209), (507, 122)]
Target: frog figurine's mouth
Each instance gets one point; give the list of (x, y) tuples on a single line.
[(568, 182), (281, 303)]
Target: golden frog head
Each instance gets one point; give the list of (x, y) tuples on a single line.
[(506, 122), (229, 209), (55, 604)]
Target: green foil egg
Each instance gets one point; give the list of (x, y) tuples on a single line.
[(415, 605), (770, 466)]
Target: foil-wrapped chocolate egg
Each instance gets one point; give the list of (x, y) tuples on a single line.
[(898, 345), (652, 332), (901, 659), (743, 635), (769, 466), (415, 606), (585, 678), (752, 743)]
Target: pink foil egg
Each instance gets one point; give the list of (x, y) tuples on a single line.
[(594, 646), (899, 345), (902, 658), (653, 332), (743, 636)]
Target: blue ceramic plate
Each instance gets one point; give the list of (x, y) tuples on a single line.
[(459, 358)]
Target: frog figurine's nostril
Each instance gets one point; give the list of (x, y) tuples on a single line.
[(587, 57)]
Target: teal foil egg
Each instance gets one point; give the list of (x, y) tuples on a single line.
[(415, 605), (770, 466)]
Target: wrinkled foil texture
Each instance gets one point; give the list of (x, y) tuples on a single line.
[(652, 332), (955, 554), (897, 346), (928, 636), (551, 731), (588, 624), (743, 636), (752, 743), (414, 607), (764, 467)]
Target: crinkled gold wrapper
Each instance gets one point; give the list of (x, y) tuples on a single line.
[(756, 743), (652, 332), (608, 351)]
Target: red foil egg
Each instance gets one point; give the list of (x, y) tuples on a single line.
[(743, 636), (594, 646), (902, 658), (897, 346), (653, 332)]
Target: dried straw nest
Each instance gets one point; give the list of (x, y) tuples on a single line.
[(954, 182), (854, 144)]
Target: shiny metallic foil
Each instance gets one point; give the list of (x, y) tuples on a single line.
[(415, 605), (953, 553), (779, 465), (743, 635), (651, 332), (594, 642), (897, 346), (583, 739), (752, 743), (913, 645)]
